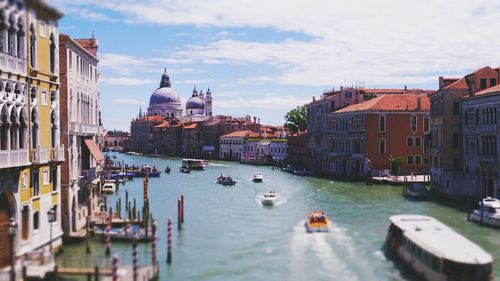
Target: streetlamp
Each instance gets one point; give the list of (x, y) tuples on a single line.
[(12, 236), (52, 218)]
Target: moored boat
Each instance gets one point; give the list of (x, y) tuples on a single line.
[(195, 164), (317, 221), (225, 180), (184, 169), (270, 198), (127, 232), (490, 212), (258, 177), (109, 187), (416, 191), (435, 251)]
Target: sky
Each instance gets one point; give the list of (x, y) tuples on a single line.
[(265, 57)]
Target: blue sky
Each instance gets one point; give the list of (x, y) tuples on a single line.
[(263, 58)]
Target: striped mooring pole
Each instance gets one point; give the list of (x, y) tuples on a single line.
[(169, 240), (153, 245), (135, 260), (108, 237), (115, 268)]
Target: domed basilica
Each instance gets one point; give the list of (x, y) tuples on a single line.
[(165, 102)]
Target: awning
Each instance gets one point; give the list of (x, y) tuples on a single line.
[(94, 150)]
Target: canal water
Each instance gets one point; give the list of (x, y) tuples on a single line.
[(229, 235)]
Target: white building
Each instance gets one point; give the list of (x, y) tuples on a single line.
[(231, 145), (81, 130)]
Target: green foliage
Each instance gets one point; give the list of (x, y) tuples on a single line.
[(117, 133), (296, 119), (397, 160)]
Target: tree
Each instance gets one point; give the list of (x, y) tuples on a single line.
[(296, 119)]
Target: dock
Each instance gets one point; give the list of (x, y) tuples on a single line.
[(402, 180)]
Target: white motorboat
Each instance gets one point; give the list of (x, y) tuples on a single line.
[(258, 177), (435, 251), (491, 212), (269, 198), (109, 187)]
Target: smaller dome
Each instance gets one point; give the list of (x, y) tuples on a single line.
[(195, 102)]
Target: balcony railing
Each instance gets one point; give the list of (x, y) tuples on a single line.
[(12, 64), (57, 154), (14, 158), (39, 155), (83, 129)]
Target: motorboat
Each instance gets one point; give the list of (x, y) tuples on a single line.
[(225, 180), (491, 212), (416, 191), (435, 251), (258, 177), (317, 221), (185, 169), (270, 198), (127, 232), (109, 187), (195, 164), (167, 170)]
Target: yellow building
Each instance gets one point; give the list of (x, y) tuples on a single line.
[(30, 151)]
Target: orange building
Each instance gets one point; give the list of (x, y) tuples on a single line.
[(371, 136)]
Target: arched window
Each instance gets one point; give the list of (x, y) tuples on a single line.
[(53, 129), (5, 129), (25, 219), (20, 39), (32, 46), (14, 130), (34, 128), (3, 30), (36, 220), (23, 124), (52, 53), (12, 36)]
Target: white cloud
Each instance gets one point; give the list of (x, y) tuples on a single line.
[(267, 101), (126, 81), (195, 82), (129, 100), (378, 42)]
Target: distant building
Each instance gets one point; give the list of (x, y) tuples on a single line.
[(164, 101), (115, 141), (231, 145), (447, 144), (297, 154), (481, 135), (367, 137), (141, 133)]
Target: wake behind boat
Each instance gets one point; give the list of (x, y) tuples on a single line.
[(490, 212), (317, 221), (184, 169), (225, 180)]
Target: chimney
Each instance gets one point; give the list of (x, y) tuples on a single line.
[(341, 88), (419, 104), (255, 120), (406, 88), (258, 121), (441, 82), (314, 98)]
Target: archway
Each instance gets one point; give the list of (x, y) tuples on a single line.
[(7, 210)]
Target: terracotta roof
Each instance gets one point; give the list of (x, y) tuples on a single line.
[(395, 91), (165, 124), (150, 118), (494, 89), (402, 102), (459, 84), (90, 45), (241, 134), (191, 126)]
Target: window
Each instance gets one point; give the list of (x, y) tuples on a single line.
[(493, 82), (46, 177), (409, 141), (381, 145), (381, 123), (52, 54), (426, 124), (70, 59), (348, 95), (54, 179), (36, 220), (418, 159), (409, 159), (426, 160), (455, 140), (35, 182), (43, 29), (414, 123), (32, 46), (25, 217), (418, 141), (456, 163), (466, 118), (483, 83), (456, 108), (44, 97)]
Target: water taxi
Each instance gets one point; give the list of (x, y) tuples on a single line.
[(490, 211), (109, 187), (317, 221), (258, 177), (416, 191), (185, 169), (269, 198), (225, 180), (435, 251), (195, 164)]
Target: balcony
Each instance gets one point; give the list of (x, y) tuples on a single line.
[(39, 155), (57, 154), (12, 64), (83, 129), (487, 158), (14, 158)]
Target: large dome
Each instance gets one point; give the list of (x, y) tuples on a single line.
[(164, 96), (195, 102)]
